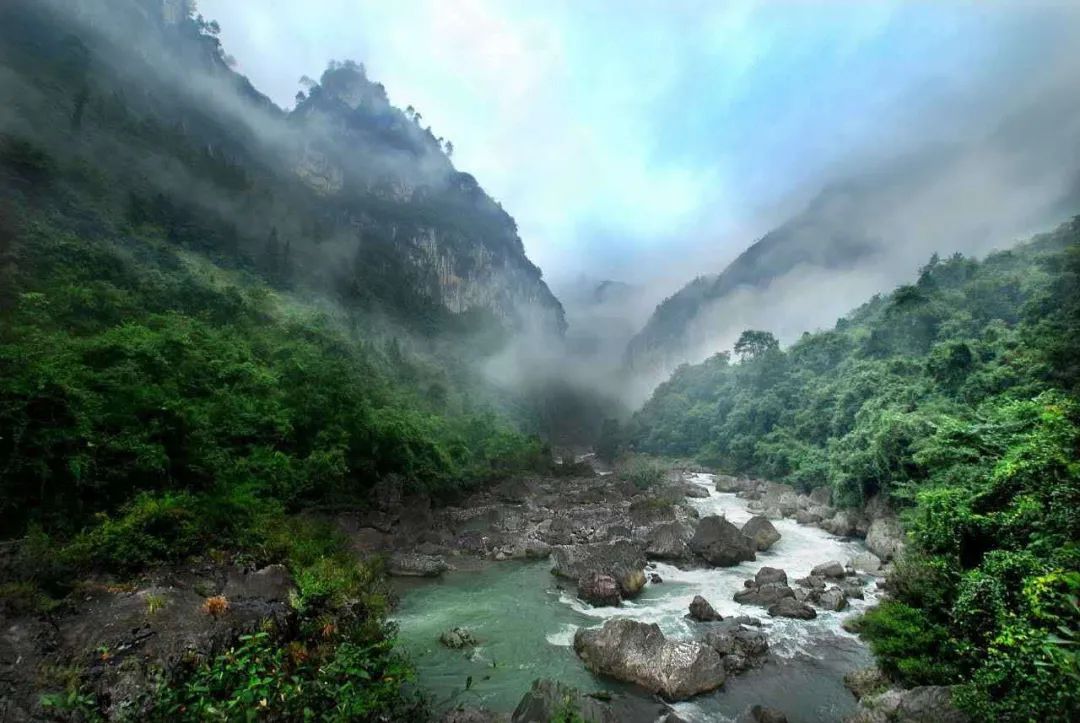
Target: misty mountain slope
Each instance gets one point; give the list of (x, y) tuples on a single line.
[(868, 232), (345, 194)]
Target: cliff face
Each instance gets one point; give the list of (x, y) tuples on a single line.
[(344, 194)]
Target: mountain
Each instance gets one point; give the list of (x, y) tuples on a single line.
[(344, 194)]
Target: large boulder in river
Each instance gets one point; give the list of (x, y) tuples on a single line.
[(833, 599), (764, 595), (638, 653), (599, 590), (791, 608), (741, 647), (703, 611), (721, 543), (770, 574), (762, 532), (831, 569), (622, 560), (669, 541)]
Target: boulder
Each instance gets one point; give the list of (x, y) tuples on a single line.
[(411, 564), (549, 700), (719, 542), (599, 590), (727, 483), (702, 611), (622, 560), (812, 582), (741, 648), (470, 715), (791, 608), (885, 538), (761, 714), (865, 681), (821, 495), (457, 638), (638, 653), (924, 704), (866, 562), (844, 523), (805, 517), (831, 569), (832, 599), (655, 579), (669, 541), (770, 574), (764, 595), (852, 588), (762, 532)]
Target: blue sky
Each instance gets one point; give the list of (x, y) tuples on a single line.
[(634, 139)]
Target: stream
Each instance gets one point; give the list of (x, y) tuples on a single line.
[(525, 622)]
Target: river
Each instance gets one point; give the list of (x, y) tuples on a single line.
[(525, 622)]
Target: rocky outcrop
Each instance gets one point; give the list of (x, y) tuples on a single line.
[(865, 682), (599, 590), (669, 541), (925, 704), (762, 532), (412, 564), (764, 595), (740, 642), (792, 608), (622, 560), (866, 562), (639, 653), (702, 611), (549, 700), (885, 538), (721, 543)]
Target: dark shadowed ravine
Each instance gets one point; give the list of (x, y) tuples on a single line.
[(525, 622)]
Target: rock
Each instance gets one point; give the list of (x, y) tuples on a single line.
[(866, 562), (831, 569), (805, 517), (821, 495), (792, 608), (762, 532), (458, 638), (638, 653), (273, 583), (852, 589), (471, 715), (719, 542), (599, 590), (548, 700), (832, 599), (761, 714), (669, 541), (812, 582), (866, 681), (924, 704), (885, 538), (770, 574), (764, 595), (411, 564), (727, 483), (622, 560), (844, 523), (740, 647), (655, 579), (702, 611)]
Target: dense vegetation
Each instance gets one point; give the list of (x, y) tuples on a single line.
[(956, 398)]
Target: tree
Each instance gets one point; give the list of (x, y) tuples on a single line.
[(753, 344)]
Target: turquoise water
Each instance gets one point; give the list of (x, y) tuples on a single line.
[(525, 624)]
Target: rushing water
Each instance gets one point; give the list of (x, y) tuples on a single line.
[(525, 622)]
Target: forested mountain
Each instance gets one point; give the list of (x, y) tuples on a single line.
[(954, 398), (345, 193)]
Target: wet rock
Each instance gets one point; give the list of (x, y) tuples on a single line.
[(741, 648), (702, 611), (721, 543), (812, 582), (622, 560), (767, 575), (655, 579), (639, 653), (831, 569), (832, 599), (792, 608), (885, 538), (727, 483), (458, 638), (844, 523), (866, 681), (471, 715), (762, 532), (411, 564), (669, 541), (761, 714), (599, 590), (924, 704), (764, 595), (852, 588), (805, 517)]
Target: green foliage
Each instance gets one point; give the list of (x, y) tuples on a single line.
[(642, 472), (956, 398)]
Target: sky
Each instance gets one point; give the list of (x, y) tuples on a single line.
[(653, 140)]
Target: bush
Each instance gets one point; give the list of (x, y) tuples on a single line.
[(909, 647)]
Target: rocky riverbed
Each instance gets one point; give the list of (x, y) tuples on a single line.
[(616, 615)]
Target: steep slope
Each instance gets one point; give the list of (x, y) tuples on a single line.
[(345, 194)]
